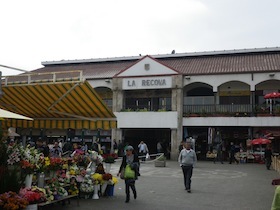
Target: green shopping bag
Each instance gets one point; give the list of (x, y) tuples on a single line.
[(129, 173)]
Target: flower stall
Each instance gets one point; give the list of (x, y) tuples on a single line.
[(40, 180)]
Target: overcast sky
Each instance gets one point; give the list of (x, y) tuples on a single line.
[(33, 31)]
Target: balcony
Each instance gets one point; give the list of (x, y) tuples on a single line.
[(229, 110), (146, 108)]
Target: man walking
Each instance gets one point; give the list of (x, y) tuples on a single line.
[(187, 159), (143, 150)]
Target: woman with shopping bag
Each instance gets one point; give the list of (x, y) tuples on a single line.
[(129, 171)]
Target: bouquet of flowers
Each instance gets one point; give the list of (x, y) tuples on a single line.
[(87, 185), (107, 177), (32, 160), (95, 157), (27, 167), (33, 195), (14, 154), (97, 178), (11, 200), (55, 163), (56, 188)]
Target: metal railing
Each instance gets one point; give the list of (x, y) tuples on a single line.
[(49, 77), (237, 110), (146, 108)]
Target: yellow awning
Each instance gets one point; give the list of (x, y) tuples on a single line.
[(57, 105)]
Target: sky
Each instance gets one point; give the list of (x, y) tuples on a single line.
[(34, 31)]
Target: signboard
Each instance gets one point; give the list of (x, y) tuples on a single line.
[(147, 83)]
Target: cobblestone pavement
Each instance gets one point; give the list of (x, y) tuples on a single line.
[(214, 187)]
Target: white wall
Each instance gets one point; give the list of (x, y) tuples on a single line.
[(147, 119), (216, 80)]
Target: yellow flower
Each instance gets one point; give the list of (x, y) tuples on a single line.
[(65, 166), (115, 180), (72, 172), (97, 177), (47, 161)]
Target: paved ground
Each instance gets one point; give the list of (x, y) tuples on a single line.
[(214, 187)]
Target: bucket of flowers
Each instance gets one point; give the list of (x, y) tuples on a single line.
[(97, 180), (111, 185), (33, 195), (11, 200), (86, 186), (53, 164), (105, 179), (56, 188)]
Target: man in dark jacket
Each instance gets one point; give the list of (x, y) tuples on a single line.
[(232, 152), (267, 156)]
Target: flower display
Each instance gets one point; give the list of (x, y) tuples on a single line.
[(33, 195), (14, 154), (87, 185), (115, 180), (27, 166), (73, 189), (97, 178), (109, 158), (31, 159), (53, 163), (107, 177), (55, 186), (95, 157), (11, 200)]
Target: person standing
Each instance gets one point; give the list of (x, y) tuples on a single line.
[(115, 146), (187, 159), (56, 151), (219, 155), (159, 147), (42, 147), (232, 152), (267, 156), (131, 159), (143, 150)]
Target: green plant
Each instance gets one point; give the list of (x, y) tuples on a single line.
[(143, 110), (161, 158)]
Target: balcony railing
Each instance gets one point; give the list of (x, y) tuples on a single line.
[(229, 110), (237, 110), (135, 108)]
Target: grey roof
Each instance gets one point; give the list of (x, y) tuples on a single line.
[(201, 63)]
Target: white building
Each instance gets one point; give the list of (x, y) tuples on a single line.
[(209, 96)]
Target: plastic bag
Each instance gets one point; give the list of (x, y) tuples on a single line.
[(129, 173), (147, 156)]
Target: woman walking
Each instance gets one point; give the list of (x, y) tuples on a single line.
[(130, 162)]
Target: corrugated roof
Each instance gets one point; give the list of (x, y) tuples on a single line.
[(90, 70), (223, 64), (217, 62)]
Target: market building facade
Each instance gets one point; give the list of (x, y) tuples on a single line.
[(205, 97)]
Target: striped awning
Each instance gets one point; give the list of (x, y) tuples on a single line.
[(57, 105)]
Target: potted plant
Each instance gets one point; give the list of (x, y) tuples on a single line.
[(160, 161)]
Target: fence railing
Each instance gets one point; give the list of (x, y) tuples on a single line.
[(240, 110)]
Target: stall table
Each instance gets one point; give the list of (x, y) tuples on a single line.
[(64, 198)]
